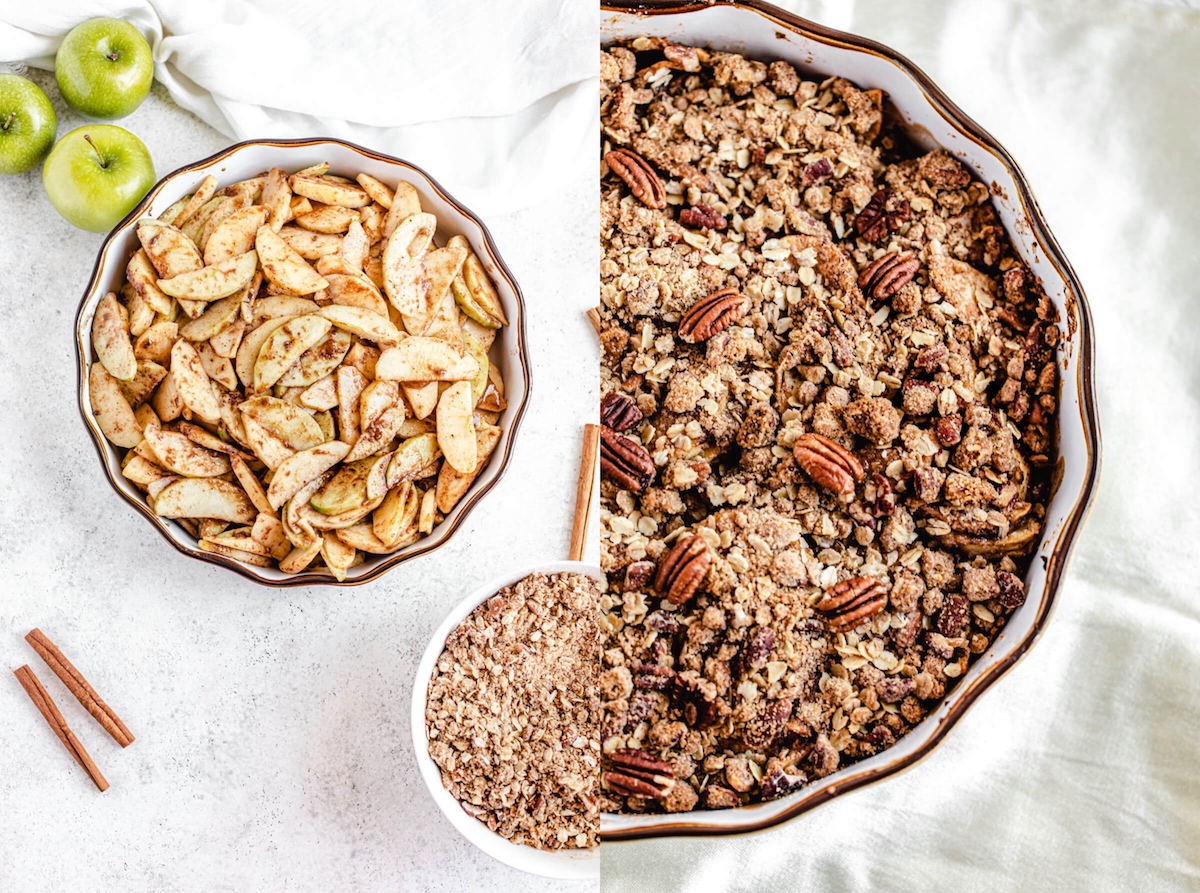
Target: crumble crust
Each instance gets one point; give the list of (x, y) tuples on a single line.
[(886, 310)]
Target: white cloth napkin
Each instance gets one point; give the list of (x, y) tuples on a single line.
[(493, 98), (1080, 770)]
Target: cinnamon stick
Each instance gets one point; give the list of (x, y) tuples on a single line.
[(584, 490), (593, 316), (46, 706), (80, 688)]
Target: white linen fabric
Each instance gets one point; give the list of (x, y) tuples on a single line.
[(492, 98), (1080, 770)]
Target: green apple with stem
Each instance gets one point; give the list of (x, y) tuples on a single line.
[(27, 124), (96, 175), (104, 68)]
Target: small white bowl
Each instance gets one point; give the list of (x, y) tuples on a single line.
[(573, 864), (243, 160)]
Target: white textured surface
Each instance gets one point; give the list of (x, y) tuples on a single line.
[(273, 749)]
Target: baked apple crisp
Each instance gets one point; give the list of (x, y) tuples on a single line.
[(829, 387)]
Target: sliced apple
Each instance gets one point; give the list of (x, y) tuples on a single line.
[(378, 434), (339, 557), (375, 189), (139, 388), (364, 358), (203, 438), (320, 395), (252, 343), (168, 216), (251, 484), (422, 398), (166, 402), (275, 306), (356, 291), (218, 368), (226, 342), (205, 498), (478, 353), (402, 272), (362, 323), (305, 466), (211, 283), (241, 539), (329, 192), (350, 384), (310, 245), (455, 430), (420, 359), (406, 202), (452, 484), (291, 424), (144, 279), (194, 228), (285, 346), (427, 515), (203, 193), (346, 491), (268, 447), (235, 234), (375, 398), (284, 267), (245, 192), (411, 457), (319, 361), (141, 471), (110, 338), (300, 558), (396, 514), (268, 532), (277, 197), (216, 317), (141, 315), (371, 217), (154, 345), (355, 245), (169, 250), (113, 413), (178, 454), (195, 388), (327, 219)]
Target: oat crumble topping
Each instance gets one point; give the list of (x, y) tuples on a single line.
[(513, 715), (859, 430)]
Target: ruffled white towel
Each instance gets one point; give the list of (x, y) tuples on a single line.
[(494, 98)]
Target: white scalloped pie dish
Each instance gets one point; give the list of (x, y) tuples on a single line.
[(765, 32), (248, 159)]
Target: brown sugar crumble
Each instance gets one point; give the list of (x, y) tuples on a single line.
[(837, 390), (513, 712)]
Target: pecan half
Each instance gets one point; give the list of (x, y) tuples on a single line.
[(638, 774), (877, 221), (702, 216), (639, 176), (712, 314), (682, 569), (818, 171), (624, 461), (885, 497), (829, 464), (653, 677), (619, 412), (852, 601), (884, 277), (779, 783), (638, 574)]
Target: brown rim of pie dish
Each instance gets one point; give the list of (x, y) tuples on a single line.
[(309, 578), (1076, 311)]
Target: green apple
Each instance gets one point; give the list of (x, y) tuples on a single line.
[(96, 175), (27, 124), (104, 68)]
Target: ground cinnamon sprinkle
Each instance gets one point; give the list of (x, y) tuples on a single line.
[(513, 712)]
